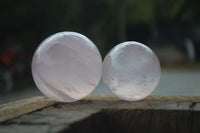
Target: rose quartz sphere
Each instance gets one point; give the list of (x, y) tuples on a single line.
[(67, 66), (131, 71)]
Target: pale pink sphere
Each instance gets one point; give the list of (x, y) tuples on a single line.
[(131, 71), (67, 66)]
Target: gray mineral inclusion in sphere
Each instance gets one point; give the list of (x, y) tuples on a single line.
[(131, 71), (67, 66)]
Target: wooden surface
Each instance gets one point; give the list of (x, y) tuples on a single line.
[(14, 109), (40, 114)]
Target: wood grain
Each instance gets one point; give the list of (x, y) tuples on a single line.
[(17, 108), (51, 116)]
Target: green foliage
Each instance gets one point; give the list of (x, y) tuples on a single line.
[(28, 22)]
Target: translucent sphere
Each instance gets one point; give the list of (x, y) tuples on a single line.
[(131, 71), (66, 66)]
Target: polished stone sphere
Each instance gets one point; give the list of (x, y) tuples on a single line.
[(131, 71), (66, 66)]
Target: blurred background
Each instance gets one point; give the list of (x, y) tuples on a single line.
[(170, 27)]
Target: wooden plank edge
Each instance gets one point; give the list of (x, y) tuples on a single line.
[(152, 98), (17, 108)]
